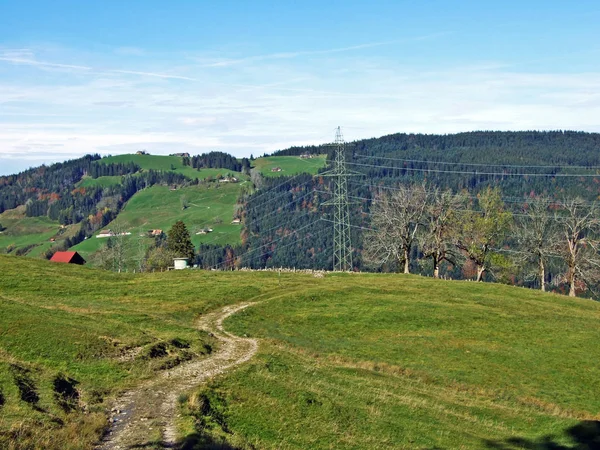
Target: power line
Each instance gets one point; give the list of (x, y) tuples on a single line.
[(273, 242), (266, 253), (464, 172), (556, 166), (546, 200), (376, 200)]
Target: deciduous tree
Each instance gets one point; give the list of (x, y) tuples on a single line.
[(478, 232), (537, 237), (579, 228), (396, 220), (436, 239)]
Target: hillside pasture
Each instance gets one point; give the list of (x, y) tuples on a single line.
[(104, 182), (100, 333), (159, 207), (168, 163), (392, 361), (290, 165)]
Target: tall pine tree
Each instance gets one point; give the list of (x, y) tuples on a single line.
[(179, 242)]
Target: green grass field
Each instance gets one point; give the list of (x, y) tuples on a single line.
[(159, 207), (57, 319), (167, 163), (376, 361), (346, 361), (99, 182), (290, 165)]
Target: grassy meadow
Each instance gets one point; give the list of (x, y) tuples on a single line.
[(104, 182), (103, 333), (159, 207), (392, 361), (290, 165)]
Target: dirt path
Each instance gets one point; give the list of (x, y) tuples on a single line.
[(139, 416)]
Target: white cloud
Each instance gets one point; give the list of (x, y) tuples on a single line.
[(272, 103)]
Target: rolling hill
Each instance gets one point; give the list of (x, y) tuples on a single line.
[(351, 360), (210, 204)]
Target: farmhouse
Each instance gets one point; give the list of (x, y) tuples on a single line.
[(236, 221), (155, 232), (181, 155), (68, 258), (105, 234), (228, 180)]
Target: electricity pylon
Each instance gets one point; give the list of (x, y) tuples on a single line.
[(342, 245)]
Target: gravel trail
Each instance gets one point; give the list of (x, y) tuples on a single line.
[(140, 414)]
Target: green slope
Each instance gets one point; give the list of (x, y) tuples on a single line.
[(375, 361), (166, 163), (82, 323), (290, 165), (159, 207), (346, 361), (99, 182)]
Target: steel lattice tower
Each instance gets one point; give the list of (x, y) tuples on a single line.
[(342, 245)]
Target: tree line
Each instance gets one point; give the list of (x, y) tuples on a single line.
[(217, 160), (546, 241)]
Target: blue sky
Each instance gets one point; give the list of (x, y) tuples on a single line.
[(251, 77)]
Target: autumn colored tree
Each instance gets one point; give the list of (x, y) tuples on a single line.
[(478, 232)]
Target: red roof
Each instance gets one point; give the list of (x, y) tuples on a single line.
[(67, 257)]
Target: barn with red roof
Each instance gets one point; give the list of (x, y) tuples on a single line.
[(68, 258)]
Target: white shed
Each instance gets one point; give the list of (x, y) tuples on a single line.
[(180, 263)]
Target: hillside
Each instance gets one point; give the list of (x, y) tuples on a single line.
[(366, 361), (134, 193), (289, 165)]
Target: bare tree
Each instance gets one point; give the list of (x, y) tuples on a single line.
[(478, 232), (113, 255), (397, 218), (579, 227), (537, 237), (436, 238)]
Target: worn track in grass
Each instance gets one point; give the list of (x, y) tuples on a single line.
[(140, 415)]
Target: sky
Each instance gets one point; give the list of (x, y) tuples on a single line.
[(112, 77)]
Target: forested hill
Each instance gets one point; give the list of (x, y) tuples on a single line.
[(485, 147), (290, 225)]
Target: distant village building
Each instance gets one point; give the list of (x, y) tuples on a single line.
[(155, 232), (181, 155), (276, 169), (141, 152), (228, 180), (306, 156), (236, 221), (105, 234), (68, 258)]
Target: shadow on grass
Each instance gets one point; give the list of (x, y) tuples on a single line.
[(583, 436), (194, 441)]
